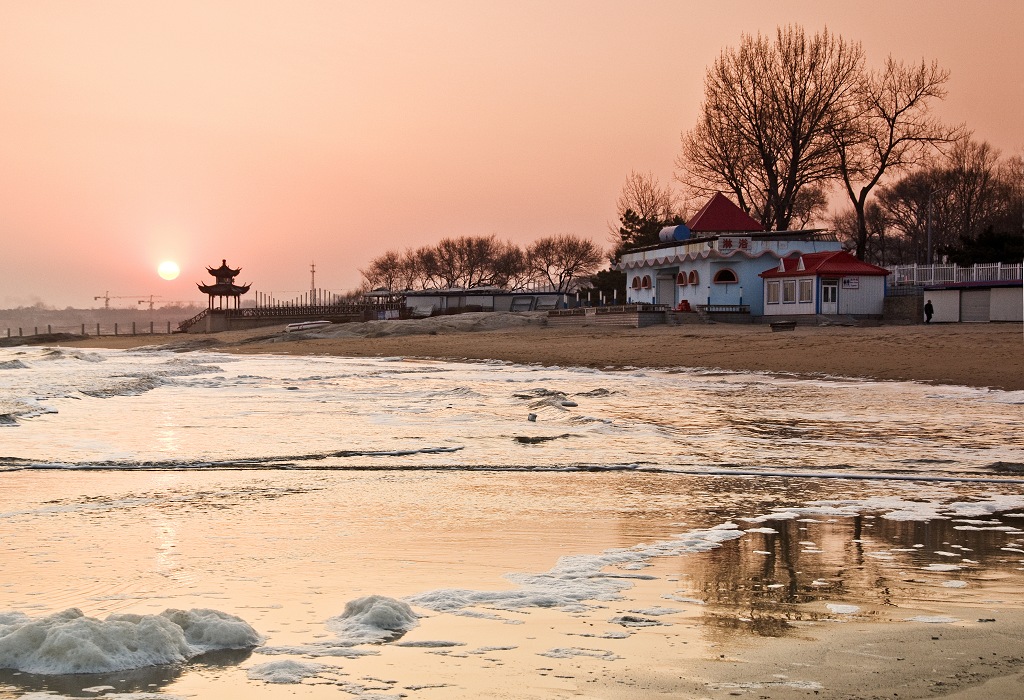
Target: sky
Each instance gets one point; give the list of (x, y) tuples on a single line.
[(280, 134)]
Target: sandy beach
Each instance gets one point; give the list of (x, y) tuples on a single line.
[(978, 355), (971, 650)]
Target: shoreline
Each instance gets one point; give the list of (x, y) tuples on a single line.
[(975, 355)]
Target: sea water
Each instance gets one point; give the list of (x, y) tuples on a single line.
[(173, 521)]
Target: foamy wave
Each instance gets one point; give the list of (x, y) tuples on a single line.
[(373, 619), (69, 642), (287, 671), (575, 580)]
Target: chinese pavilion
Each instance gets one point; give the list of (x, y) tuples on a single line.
[(225, 285)]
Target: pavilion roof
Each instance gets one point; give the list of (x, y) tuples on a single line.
[(720, 214)]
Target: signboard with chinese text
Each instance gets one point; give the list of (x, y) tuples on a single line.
[(728, 244)]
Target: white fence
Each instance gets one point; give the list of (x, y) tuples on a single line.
[(923, 275)]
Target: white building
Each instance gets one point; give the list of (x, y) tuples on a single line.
[(824, 283), (714, 260), (973, 302)]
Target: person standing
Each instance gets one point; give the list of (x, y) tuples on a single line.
[(928, 311)]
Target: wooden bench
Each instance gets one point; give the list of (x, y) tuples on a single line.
[(777, 326)]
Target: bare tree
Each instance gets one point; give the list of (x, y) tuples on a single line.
[(648, 198), (560, 260), (510, 268), (383, 271), (644, 207), (971, 191), (888, 128), (769, 107), (409, 273)]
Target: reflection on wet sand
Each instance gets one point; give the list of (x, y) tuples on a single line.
[(864, 565), (150, 679)]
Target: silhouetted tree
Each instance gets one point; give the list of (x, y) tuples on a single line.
[(561, 260), (644, 207), (764, 128), (887, 128)]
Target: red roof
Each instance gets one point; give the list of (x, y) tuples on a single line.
[(836, 262), (720, 214)]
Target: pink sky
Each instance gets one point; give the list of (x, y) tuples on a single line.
[(276, 134)]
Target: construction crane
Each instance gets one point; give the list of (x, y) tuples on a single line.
[(151, 301), (106, 298)]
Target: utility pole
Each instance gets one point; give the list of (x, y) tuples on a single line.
[(928, 227), (312, 282)]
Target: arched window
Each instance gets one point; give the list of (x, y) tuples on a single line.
[(636, 283), (681, 279), (694, 277), (725, 276), (646, 282)]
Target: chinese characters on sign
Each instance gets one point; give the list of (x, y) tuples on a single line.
[(732, 243)]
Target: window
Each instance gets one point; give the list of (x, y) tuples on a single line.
[(725, 276), (694, 277), (646, 282), (636, 283), (805, 291), (789, 291), (681, 279), (773, 292)]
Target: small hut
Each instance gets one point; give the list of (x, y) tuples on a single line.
[(224, 287)]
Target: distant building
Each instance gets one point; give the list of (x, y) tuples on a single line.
[(827, 283), (715, 260), (976, 302), (431, 302)]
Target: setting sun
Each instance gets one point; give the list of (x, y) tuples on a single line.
[(168, 269)]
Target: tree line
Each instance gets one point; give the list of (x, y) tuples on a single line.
[(555, 262)]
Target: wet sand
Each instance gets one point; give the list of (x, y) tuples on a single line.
[(978, 355), (870, 656)]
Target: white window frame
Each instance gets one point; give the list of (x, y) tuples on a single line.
[(788, 291), (805, 292), (773, 292)]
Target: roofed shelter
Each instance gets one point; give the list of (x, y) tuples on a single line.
[(224, 287)]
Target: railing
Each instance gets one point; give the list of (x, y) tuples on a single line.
[(602, 310), (920, 275), (317, 311), (632, 308), (185, 325), (86, 329), (723, 308), (345, 309)]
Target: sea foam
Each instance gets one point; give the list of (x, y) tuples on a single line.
[(69, 642), (373, 619)]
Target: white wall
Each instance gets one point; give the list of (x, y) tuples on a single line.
[(946, 303), (1007, 304), (791, 308), (867, 299)]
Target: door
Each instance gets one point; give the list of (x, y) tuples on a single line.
[(666, 291), (830, 296), (974, 305)]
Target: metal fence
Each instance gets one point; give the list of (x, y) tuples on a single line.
[(86, 329), (923, 275)]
